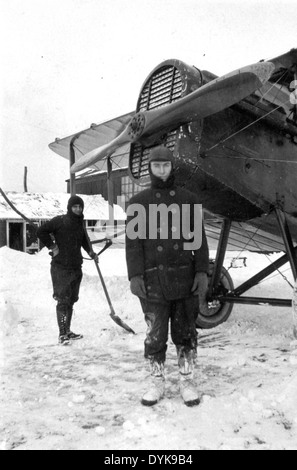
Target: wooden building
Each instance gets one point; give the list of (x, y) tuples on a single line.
[(95, 182), (17, 234)]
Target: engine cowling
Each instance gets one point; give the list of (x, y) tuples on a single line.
[(168, 82)]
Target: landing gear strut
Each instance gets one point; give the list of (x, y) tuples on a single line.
[(223, 295), (218, 311), (220, 284)]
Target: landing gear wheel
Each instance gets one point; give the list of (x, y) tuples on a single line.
[(217, 312)]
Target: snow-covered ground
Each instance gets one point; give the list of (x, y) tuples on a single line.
[(87, 396)]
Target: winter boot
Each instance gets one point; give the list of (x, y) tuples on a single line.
[(188, 388), (64, 340), (156, 388), (70, 333), (61, 310)]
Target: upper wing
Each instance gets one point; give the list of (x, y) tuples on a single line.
[(96, 136)]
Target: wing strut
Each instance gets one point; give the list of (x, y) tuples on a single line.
[(283, 224), (221, 293), (109, 179), (71, 162)]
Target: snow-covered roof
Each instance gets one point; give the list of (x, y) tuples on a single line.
[(49, 205)]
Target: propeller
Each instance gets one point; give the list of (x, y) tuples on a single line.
[(206, 100)]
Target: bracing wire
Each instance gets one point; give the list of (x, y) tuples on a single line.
[(244, 128), (251, 238), (273, 84), (233, 134)]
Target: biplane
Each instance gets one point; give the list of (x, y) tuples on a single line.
[(234, 139)]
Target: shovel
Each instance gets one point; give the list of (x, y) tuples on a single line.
[(112, 314)]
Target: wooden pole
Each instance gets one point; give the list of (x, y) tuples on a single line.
[(110, 191), (71, 162), (25, 179)]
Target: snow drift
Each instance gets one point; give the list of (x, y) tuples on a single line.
[(87, 396)]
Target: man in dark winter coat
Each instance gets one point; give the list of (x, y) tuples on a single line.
[(65, 235), (167, 273)]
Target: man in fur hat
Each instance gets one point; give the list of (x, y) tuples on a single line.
[(169, 279), (64, 236)]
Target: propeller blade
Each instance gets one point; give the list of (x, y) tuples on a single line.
[(105, 151), (206, 100), (211, 98)]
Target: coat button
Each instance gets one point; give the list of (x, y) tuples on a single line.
[(158, 195), (172, 193), (161, 267), (160, 248), (175, 247)]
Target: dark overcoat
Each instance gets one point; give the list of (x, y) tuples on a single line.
[(68, 232), (158, 251)]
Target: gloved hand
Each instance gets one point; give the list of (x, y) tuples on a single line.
[(200, 288), (93, 255), (54, 250), (137, 286)]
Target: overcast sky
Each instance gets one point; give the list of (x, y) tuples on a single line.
[(68, 63)]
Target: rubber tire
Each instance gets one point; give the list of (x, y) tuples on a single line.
[(221, 313)]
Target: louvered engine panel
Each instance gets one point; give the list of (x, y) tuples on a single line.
[(163, 87)]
